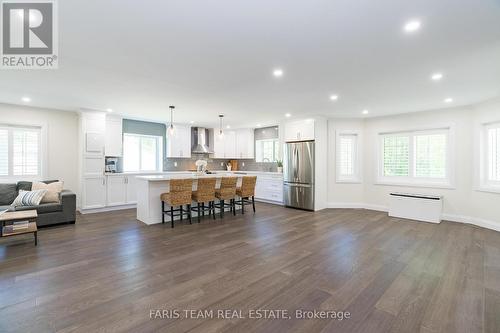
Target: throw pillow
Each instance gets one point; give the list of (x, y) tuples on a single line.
[(53, 191), (29, 198)]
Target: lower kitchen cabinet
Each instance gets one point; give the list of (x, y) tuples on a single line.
[(116, 190), (94, 192), (121, 190), (269, 188)]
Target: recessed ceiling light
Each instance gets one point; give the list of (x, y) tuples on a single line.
[(278, 72), (26, 99), (437, 76), (334, 97), (365, 112), (288, 115), (259, 125), (109, 110), (191, 122), (448, 100), (412, 26), (228, 126)]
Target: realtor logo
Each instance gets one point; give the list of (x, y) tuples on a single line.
[(29, 34)]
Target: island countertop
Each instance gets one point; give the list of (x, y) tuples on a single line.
[(193, 175)]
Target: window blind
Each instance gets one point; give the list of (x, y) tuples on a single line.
[(430, 155), (347, 155), (494, 154), (396, 155), (25, 152), (4, 152)]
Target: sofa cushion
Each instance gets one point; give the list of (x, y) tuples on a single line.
[(43, 208), (26, 186), (29, 198), (8, 193), (53, 191)]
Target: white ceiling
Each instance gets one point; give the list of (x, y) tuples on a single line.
[(211, 57)]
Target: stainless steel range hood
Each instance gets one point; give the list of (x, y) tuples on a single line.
[(200, 137)]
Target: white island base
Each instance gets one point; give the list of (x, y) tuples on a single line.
[(150, 188)]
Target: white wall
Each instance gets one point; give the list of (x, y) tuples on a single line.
[(463, 203), (61, 129)]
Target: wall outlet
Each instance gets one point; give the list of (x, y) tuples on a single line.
[(221, 164), (242, 164), (175, 164)]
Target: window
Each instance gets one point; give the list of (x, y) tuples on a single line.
[(491, 157), (416, 158), (348, 160), (267, 144), (20, 151), (142, 152)]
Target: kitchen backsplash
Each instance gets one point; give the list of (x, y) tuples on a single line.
[(184, 164), (215, 164)]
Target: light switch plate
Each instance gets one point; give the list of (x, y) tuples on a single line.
[(175, 164)]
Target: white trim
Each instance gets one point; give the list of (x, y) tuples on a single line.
[(483, 223), (43, 149), (106, 209), (411, 179), (357, 177)]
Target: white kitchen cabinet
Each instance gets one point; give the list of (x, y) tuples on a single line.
[(302, 130), (179, 145), (245, 143), (269, 188), (116, 190), (230, 144), (218, 146), (114, 136), (131, 189), (94, 192)]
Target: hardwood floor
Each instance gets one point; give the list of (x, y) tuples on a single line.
[(108, 271)]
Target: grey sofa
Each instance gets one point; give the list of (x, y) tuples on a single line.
[(48, 213)]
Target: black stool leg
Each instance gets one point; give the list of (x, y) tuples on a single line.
[(253, 203), (172, 216), (199, 214), (213, 209), (233, 204), (181, 212), (242, 205), (162, 212), (189, 213), (221, 208), (203, 208)]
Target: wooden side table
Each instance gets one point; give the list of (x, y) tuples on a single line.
[(9, 218)]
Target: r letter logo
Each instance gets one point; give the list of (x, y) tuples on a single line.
[(29, 34)]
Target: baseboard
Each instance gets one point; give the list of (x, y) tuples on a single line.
[(446, 217), (472, 220), (106, 209)]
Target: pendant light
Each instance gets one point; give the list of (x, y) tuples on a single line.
[(221, 120), (171, 127)]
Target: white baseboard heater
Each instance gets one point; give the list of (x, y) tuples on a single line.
[(420, 207)]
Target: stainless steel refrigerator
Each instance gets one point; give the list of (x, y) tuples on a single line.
[(298, 172)]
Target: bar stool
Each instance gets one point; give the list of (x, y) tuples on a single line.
[(179, 195), (227, 191), (246, 191), (205, 193)]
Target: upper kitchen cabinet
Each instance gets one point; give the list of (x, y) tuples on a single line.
[(245, 147), (230, 144), (299, 130), (234, 144), (179, 145), (93, 128), (114, 136)]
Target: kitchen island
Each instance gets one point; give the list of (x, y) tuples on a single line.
[(150, 188)]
